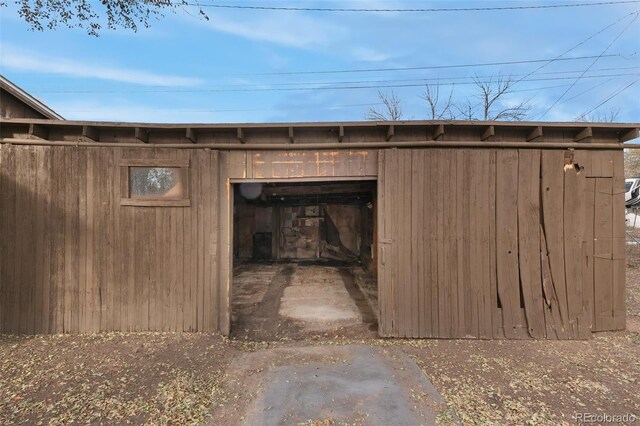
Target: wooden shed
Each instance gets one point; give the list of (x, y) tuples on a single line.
[(478, 229)]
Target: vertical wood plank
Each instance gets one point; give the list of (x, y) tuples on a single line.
[(224, 250), (574, 219), (193, 303), (57, 295), (71, 241), (7, 214), (553, 227), (507, 241), (603, 251), (29, 282), (529, 240), (82, 240), (619, 242), (42, 241), (458, 257), (497, 325), (208, 281), (381, 205), (473, 205), (21, 244), (91, 290), (587, 257), (434, 248), (415, 198), (443, 302), (423, 259), (405, 306)]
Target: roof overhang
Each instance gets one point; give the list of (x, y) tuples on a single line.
[(318, 134)]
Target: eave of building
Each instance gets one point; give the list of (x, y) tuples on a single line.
[(318, 135)]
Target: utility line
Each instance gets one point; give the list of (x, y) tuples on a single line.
[(426, 80), (592, 64), (586, 91), (412, 10), (296, 108), (288, 89), (576, 46), (427, 67), (613, 95)]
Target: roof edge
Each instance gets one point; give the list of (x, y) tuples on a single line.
[(28, 99)]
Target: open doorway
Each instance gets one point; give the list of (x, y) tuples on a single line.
[(304, 259)]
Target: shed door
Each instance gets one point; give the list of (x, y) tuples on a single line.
[(400, 210)]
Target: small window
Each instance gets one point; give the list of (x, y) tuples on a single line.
[(155, 183)]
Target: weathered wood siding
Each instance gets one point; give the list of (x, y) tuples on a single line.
[(72, 259), (479, 243)]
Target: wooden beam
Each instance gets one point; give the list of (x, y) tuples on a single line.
[(583, 134), (390, 132), (627, 135), (488, 132), (240, 135), (91, 133), (291, 138), (38, 131), (191, 135), (142, 134), (340, 133), (535, 133), (439, 131)]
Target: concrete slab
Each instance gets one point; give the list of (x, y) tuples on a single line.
[(351, 384), (317, 294), (290, 300)]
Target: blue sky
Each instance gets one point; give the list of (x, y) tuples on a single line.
[(187, 69)]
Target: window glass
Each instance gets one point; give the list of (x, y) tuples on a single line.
[(155, 182)]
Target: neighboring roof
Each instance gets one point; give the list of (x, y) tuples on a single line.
[(29, 100)]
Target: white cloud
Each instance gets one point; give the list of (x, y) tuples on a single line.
[(22, 60), (369, 55), (291, 29)]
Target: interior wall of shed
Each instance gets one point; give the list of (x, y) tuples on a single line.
[(333, 226)]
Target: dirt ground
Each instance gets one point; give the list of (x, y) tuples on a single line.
[(170, 378)]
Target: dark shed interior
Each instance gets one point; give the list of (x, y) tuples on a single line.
[(304, 257), (305, 221)]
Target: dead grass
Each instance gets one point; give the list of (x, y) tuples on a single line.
[(111, 378), (169, 378)]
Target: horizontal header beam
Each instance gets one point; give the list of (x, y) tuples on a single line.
[(311, 133), (320, 146)]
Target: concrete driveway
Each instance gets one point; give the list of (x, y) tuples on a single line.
[(352, 384)]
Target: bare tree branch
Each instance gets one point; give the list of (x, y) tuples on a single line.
[(609, 116), (437, 111), (466, 112), (391, 110), (490, 94)]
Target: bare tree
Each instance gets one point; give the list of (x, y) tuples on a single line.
[(438, 111), (466, 111), (609, 116), (492, 94), (91, 15), (390, 110)]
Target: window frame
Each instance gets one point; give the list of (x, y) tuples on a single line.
[(125, 183)]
